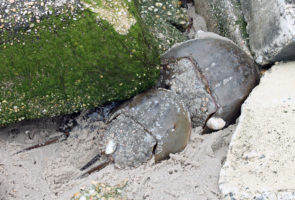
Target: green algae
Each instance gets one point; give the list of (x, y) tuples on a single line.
[(241, 22), (67, 63), (165, 19), (217, 9), (221, 20), (166, 35)]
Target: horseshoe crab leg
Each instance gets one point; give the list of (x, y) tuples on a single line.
[(52, 141)]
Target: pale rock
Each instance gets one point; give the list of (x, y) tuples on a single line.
[(260, 161)]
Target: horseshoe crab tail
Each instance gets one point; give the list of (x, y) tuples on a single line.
[(52, 141), (91, 162), (97, 168)]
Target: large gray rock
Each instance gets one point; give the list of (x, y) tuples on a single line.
[(260, 162), (197, 22), (271, 28), (212, 75), (225, 18), (153, 122)]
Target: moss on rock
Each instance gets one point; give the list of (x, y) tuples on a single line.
[(166, 35), (165, 19), (69, 62)]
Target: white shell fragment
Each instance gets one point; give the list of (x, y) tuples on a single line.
[(215, 123), (110, 147)]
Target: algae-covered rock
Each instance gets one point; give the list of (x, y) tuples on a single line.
[(165, 19), (58, 57)]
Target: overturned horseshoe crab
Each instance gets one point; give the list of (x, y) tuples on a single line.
[(213, 76)]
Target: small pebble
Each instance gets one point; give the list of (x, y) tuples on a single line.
[(215, 123)]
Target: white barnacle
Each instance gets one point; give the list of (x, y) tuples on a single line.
[(110, 147), (158, 4), (15, 108), (215, 123)]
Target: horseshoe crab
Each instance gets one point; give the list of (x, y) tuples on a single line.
[(212, 75), (155, 122)]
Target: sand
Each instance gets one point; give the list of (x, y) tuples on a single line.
[(50, 173)]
